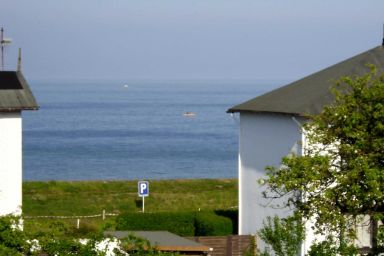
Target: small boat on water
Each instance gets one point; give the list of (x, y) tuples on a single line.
[(189, 114)]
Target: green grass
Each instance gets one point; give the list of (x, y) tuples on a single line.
[(92, 197)]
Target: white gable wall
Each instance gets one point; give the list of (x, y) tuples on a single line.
[(264, 140), (10, 163)]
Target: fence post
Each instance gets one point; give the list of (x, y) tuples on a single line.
[(78, 223), (229, 246), (103, 214)]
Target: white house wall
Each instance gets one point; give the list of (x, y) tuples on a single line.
[(264, 140), (10, 163)]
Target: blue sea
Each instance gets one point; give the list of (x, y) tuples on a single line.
[(100, 130)]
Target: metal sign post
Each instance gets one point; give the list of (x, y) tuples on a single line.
[(143, 189)]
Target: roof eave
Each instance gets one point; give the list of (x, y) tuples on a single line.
[(265, 112), (18, 109)]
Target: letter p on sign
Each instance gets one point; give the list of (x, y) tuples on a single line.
[(143, 187)]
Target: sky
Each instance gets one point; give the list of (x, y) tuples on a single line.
[(186, 39)]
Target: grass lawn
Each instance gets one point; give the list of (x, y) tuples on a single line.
[(72, 198)]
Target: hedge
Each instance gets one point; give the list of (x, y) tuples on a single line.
[(209, 224), (232, 214), (180, 223)]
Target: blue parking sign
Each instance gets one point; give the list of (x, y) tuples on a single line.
[(143, 188)]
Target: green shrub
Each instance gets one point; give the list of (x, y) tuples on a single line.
[(233, 214), (333, 246), (12, 239), (283, 235), (209, 224), (179, 223)]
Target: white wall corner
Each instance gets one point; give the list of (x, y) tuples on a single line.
[(11, 163)]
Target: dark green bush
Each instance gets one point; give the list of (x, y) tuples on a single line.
[(233, 214), (179, 223), (210, 224)]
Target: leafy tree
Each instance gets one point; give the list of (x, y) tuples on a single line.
[(283, 235), (340, 177)]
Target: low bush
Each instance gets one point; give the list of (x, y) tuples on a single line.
[(180, 223), (233, 214), (209, 224)]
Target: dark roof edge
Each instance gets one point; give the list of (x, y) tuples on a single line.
[(18, 109), (235, 110)]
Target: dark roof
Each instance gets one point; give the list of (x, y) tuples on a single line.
[(310, 94), (163, 240), (15, 94)]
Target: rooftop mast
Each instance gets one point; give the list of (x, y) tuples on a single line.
[(2, 49), (19, 61), (383, 36), (3, 43)]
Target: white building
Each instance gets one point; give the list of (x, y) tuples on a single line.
[(15, 96), (270, 129)]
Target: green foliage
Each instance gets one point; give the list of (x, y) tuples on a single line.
[(380, 236), (16, 242), (180, 223), (4, 250), (283, 235), (12, 239), (209, 224), (232, 214), (342, 169), (251, 250), (137, 246), (67, 246), (332, 247)]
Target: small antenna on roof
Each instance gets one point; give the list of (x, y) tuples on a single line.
[(19, 61), (3, 43), (383, 36)]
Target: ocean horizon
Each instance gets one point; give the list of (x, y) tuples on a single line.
[(116, 130)]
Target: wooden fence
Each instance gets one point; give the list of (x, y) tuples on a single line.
[(228, 245)]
